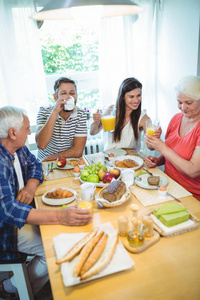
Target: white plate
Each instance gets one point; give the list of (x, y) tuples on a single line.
[(66, 167), (144, 183), (135, 158), (120, 261), (100, 183), (61, 201), (116, 152)]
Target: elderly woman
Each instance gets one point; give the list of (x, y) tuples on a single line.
[(181, 150), (130, 120)]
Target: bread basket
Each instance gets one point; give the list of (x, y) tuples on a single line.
[(99, 199)]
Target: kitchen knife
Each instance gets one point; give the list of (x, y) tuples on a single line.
[(147, 171)]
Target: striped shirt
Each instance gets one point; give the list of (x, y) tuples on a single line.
[(64, 131), (12, 213)]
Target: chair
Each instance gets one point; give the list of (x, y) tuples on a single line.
[(19, 269)]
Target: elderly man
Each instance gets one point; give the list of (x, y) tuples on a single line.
[(61, 131), (20, 174)]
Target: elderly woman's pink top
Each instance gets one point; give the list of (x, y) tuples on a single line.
[(184, 146)]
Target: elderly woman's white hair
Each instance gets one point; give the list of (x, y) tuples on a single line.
[(189, 86), (10, 117)]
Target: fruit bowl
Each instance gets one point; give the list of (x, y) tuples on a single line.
[(100, 183)]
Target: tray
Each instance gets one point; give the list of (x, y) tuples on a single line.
[(147, 243), (106, 203), (177, 231)]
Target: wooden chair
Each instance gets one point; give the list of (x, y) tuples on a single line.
[(19, 269)]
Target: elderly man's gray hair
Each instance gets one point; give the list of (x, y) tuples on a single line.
[(10, 117)]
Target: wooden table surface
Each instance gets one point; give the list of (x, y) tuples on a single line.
[(170, 269)]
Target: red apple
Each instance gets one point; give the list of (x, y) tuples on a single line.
[(116, 172), (107, 178), (61, 162), (101, 173)]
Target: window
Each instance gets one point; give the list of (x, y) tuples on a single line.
[(71, 49)]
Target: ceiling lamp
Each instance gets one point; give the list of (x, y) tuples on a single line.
[(66, 9)]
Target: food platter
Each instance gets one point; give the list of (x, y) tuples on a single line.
[(66, 167), (60, 201), (137, 159), (144, 184), (99, 199)]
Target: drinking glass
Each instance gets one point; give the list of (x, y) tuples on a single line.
[(85, 200), (108, 119), (151, 126)]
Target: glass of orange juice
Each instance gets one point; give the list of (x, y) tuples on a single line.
[(85, 200), (151, 127), (108, 119)]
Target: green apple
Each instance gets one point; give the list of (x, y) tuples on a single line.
[(84, 175), (93, 178)]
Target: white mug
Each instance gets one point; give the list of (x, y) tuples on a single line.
[(69, 104)]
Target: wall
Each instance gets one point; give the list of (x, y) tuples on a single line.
[(178, 52)]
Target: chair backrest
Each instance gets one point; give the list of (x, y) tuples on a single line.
[(18, 267)]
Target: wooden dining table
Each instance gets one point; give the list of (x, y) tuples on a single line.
[(169, 269)]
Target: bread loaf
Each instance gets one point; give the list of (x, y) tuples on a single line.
[(153, 180), (114, 191)]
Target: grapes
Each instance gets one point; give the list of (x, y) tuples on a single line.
[(94, 168)]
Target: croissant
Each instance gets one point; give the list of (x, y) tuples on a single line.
[(130, 163), (119, 164), (59, 193)]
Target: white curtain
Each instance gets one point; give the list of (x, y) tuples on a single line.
[(127, 49), (22, 79)]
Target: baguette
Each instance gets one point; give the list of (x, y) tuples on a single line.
[(77, 247), (103, 260), (95, 254), (86, 252)]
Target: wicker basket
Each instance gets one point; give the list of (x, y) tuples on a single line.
[(99, 198)]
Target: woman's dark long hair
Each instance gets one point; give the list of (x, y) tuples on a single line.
[(127, 85)]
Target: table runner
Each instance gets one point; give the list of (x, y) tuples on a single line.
[(150, 197)]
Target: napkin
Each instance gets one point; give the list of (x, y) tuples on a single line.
[(121, 260), (172, 229), (171, 214), (168, 208)]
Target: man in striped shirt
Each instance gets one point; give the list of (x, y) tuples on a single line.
[(61, 132)]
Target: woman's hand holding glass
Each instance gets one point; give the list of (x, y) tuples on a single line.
[(97, 116)]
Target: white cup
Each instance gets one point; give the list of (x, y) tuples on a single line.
[(128, 177), (87, 191), (69, 104)]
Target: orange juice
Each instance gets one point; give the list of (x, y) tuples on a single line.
[(151, 130), (108, 122), (86, 204)]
